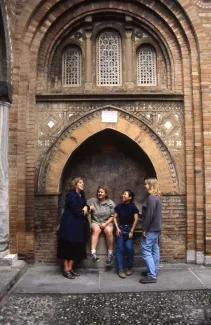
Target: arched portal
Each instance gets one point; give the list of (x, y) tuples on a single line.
[(109, 158)]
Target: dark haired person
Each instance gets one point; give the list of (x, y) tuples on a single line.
[(102, 212), (71, 234), (127, 213), (151, 227)]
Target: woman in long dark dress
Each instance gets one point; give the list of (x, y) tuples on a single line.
[(71, 235)]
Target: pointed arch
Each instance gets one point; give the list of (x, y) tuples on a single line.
[(52, 168)]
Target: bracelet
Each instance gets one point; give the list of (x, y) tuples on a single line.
[(131, 232)]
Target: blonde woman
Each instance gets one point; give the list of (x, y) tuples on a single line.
[(71, 235), (151, 227)]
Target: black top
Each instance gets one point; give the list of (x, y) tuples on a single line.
[(152, 214), (126, 213)]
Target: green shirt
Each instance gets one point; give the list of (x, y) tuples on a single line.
[(103, 211)]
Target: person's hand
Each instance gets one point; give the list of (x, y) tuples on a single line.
[(118, 232), (92, 208), (85, 209), (103, 225), (130, 235), (145, 234)]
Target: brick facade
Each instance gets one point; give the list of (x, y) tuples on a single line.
[(38, 154)]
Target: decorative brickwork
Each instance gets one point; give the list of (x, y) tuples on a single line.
[(164, 118), (73, 136)]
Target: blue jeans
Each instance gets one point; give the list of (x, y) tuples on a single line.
[(122, 243), (150, 252)]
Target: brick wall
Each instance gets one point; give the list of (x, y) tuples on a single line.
[(172, 240), (173, 237), (47, 214)]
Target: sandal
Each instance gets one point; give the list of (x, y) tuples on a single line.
[(68, 275), (74, 273)]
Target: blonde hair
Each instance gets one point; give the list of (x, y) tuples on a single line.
[(75, 182), (153, 186)]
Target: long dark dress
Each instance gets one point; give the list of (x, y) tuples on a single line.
[(71, 234)]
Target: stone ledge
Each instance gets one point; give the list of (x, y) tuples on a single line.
[(148, 96)]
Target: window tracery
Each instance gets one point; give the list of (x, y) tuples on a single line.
[(71, 66), (146, 66), (108, 59)]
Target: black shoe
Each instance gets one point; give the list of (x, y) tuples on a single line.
[(147, 279), (144, 273), (95, 259), (109, 260)]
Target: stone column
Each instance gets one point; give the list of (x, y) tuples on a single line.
[(88, 61), (129, 59), (4, 207), (88, 81)]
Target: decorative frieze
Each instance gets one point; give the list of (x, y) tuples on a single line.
[(164, 118), (91, 116)]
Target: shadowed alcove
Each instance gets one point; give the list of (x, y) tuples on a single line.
[(109, 158)]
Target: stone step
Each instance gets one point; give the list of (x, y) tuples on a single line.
[(138, 262), (9, 259)]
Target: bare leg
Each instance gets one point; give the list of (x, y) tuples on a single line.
[(95, 236), (66, 265), (109, 237), (70, 264)]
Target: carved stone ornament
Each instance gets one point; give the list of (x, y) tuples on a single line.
[(165, 118), (205, 4)]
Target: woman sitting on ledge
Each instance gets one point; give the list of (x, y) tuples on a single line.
[(102, 211), (72, 231)]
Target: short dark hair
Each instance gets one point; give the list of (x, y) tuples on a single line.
[(131, 194)]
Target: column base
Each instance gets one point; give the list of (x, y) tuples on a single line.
[(88, 85), (3, 254), (199, 257), (129, 85), (4, 243), (207, 260), (9, 259), (191, 256)]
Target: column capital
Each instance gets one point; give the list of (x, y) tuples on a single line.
[(128, 33), (88, 34), (5, 92), (2, 103)]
